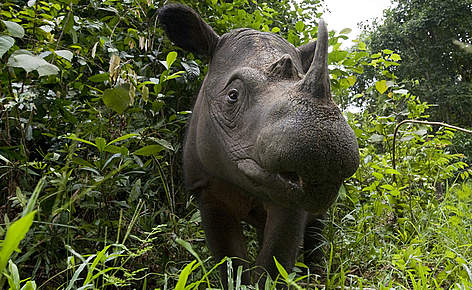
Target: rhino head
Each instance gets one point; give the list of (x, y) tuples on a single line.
[(264, 130), (264, 119)]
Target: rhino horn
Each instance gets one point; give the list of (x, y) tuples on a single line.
[(316, 80)]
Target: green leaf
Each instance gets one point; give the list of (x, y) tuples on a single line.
[(345, 31), (149, 150), (67, 54), (15, 233), (362, 46), (337, 55), (14, 279), (171, 56), (14, 29), (392, 171), (75, 138), (124, 137), (30, 63), (100, 143), (99, 78), (395, 57), (376, 55), (166, 144), (183, 277), (6, 42), (381, 86), (116, 99), (281, 269), (351, 80), (94, 264), (376, 138), (47, 69), (387, 51), (34, 197), (300, 26)]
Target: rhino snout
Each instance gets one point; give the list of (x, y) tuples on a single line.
[(308, 157)]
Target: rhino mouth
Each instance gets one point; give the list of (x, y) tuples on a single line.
[(289, 189), (285, 188), (292, 178)]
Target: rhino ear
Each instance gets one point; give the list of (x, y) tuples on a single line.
[(306, 53), (187, 29)]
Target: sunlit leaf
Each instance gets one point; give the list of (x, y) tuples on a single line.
[(32, 62), (299, 26), (14, 29), (6, 42), (15, 233), (67, 54), (381, 86), (345, 31), (149, 150)]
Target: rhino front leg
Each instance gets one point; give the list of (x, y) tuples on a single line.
[(223, 234), (283, 236)]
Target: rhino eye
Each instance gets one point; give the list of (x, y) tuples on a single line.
[(232, 96)]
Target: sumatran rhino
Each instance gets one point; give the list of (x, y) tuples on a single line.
[(266, 144)]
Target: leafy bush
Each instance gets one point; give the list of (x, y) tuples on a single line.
[(93, 106)]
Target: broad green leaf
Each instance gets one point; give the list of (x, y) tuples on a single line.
[(345, 31), (337, 55), (376, 55), (30, 285), (14, 279), (113, 149), (166, 144), (15, 233), (116, 99), (387, 51), (362, 46), (351, 80), (6, 42), (47, 69), (32, 62), (281, 269), (381, 86), (14, 29), (67, 54), (99, 78), (124, 137), (183, 277), (392, 171), (100, 143), (388, 187), (81, 161), (171, 56), (300, 26), (376, 138), (149, 150), (395, 57), (74, 137)]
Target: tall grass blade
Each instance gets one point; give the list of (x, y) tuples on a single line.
[(15, 233)]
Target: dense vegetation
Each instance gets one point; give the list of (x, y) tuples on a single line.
[(93, 105)]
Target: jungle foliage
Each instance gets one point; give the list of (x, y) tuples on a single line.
[(93, 105)]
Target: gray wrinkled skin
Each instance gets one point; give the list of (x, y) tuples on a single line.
[(266, 143)]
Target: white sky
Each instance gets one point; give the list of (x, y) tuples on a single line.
[(348, 13)]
